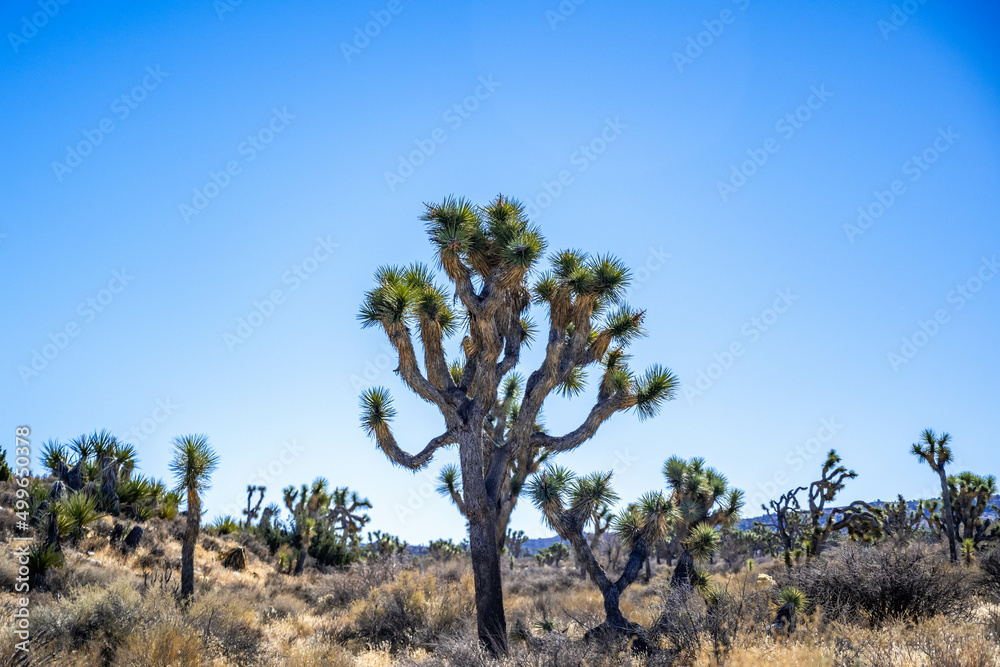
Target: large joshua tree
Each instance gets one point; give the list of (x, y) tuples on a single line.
[(489, 255), (935, 452), (193, 464)]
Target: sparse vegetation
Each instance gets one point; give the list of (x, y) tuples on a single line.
[(234, 593)]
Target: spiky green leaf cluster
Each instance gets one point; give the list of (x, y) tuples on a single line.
[(376, 409), (401, 295), (193, 462), (497, 236)]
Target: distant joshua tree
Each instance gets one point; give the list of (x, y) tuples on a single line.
[(489, 255), (193, 463), (253, 511), (936, 453)]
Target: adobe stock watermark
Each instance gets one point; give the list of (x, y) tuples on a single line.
[(696, 44), (900, 15), (562, 12), (381, 18), (31, 24), (374, 367), (581, 158), (752, 330), (147, 426), (796, 459), (914, 168), (86, 311), (223, 7), (655, 260), (264, 309), (122, 107), (958, 297), (454, 116), (249, 149), (786, 127)]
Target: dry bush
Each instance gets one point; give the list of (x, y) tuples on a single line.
[(230, 626), (413, 607), (874, 585), (532, 581), (989, 579), (168, 644), (98, 617)]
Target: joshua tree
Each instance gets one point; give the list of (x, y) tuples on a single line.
[(935, 452), (193, 463), (252, 511), (784, 517), (445, 549), (385, 545), (860, 519), (701, 496), (308, 506), (970, 498), (900, 522), (5, 472), (514, 543), (567, 503), (552, 554), (488, 255), (344, 514)]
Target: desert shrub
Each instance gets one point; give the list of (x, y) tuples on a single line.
[(102, 618), (42, 559), (876, 584), (223, 525), (230, 625), (75, 512), (533, 581), (344, 586), (552, 650), (412, 607), (168, 644), (8, 523), (989, 579)]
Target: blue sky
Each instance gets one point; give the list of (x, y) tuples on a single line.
[(169, 170)]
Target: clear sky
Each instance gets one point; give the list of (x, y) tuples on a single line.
[(808, 182)]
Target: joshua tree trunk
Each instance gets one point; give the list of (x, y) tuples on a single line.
[(489, 590), (301, 562), (949, 516), (191, 530)]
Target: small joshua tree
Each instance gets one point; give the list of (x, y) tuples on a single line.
[(307, 506), (701, 496), (936, 453), (970, 498), (345, 515), (567, 501), (900, 523), (253, 511), (514, 544), (784, 517), (860, 519), (193, 463), (491, 255)]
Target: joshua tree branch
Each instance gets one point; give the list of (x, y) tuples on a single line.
[(601, 411), (409, 370), (387, 442)]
